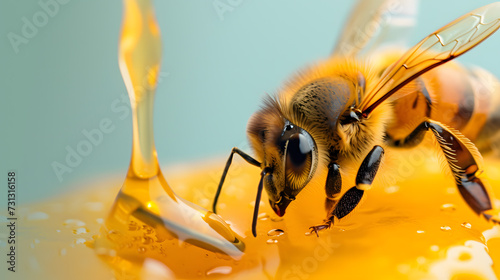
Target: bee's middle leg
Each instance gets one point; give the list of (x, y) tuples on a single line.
[(349, 201)]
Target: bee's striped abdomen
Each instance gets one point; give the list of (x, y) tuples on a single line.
[(465, 100)]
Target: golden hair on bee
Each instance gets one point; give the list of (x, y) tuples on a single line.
[(351, 79)]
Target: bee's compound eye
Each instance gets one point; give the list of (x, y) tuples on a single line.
[(299, 159), (298, 150)]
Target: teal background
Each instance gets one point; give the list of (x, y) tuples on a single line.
[(66, 78)]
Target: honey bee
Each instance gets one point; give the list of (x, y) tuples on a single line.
[(346, 109)]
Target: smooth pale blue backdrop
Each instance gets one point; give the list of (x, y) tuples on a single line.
[(215, 71)]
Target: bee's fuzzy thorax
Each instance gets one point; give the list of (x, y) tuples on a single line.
[(351, 140)]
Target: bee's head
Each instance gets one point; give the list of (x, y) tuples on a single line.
[(287, 152), (286, 132), (298, 159)]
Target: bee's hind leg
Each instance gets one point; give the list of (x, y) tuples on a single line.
[(459, 153), (349, 201)]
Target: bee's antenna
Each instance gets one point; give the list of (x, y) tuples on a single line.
[(257, 201)]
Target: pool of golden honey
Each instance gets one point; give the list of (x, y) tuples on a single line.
[(417, 228)]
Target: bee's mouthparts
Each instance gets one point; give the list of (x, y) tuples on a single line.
[(280, 206)]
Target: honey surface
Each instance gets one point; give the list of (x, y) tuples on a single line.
[(412, 225), (417, 228)]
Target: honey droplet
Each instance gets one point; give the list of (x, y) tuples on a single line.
[(219, 270), (445, 228), (277, 219), (133, 226), (220, 226), (275, 232), (392, 189), (263, 216), (114, 236), (146, 240), (448, 207), (74, 222), (141, 250), (80, 230), (272, 241), (80, 241), (147, 229), (420, 231), (466, 225)]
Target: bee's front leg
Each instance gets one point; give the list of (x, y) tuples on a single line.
[(332, 188), (349, 201)]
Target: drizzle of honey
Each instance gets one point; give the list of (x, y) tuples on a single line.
[(415, 229), (148, 220)]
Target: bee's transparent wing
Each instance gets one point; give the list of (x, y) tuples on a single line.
[(441, 46), (376, 23)]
